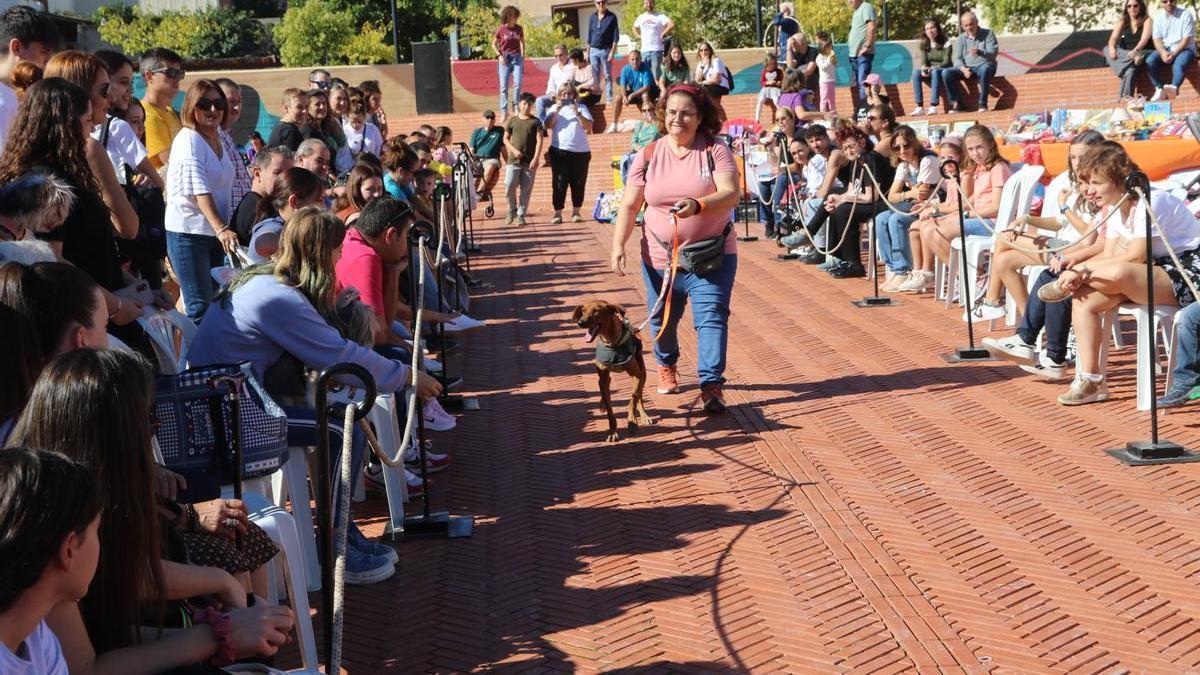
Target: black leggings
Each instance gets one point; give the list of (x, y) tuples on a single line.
[(839, 221), (568, 169)]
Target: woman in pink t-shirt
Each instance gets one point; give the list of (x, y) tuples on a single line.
[(689, 172), (509, 45), (983, 176)]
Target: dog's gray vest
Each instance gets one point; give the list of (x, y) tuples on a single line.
[(620, 353)]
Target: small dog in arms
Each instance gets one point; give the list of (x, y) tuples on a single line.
[(619, 350)]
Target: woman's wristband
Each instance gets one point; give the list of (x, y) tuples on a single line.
[(699, 205), (221, 625)]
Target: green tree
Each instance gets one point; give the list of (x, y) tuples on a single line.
[(369, 46), (207, 34), (318, 33), (477, 24), (1034, 15)]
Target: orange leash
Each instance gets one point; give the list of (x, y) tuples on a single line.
[(670, 279)]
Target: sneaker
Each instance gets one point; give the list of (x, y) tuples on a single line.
[(713, 397), (365, 546), (933, 110), (848, 271), (432, 367), (793, 240), (576, 218), (830, 263), (1158, 94), (556, 219), (612, 129), (374, 477), (462, 323), (917, 282), (1051, 292), (435, 462), (894, 279), (1170, 90), (1084, 391), (520, 220), (918, 111), (510, 218), (985, 311), (1011, 348), (437, 419), (1045, 369), (668, 380), (1177, 397), (814, 257), (983, 108), (363, 569)]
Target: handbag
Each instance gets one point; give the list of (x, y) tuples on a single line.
[(196, 432)]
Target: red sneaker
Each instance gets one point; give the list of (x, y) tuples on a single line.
[(713, 398), (668, 380)]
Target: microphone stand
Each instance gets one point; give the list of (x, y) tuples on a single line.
[(970, 352), (1155, 450), (742, 204), (875, 299)]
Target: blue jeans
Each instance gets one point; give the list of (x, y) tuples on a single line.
[(541, 105), (510, 65), (891, 238), (655, 60), (938, 87), (861, 67), (601, 63), (781, 190), (974, 227), (1178, 66), (766, 208), (192, 257), (1055, 318), (983, 73), (710, 296), (1186, 373)]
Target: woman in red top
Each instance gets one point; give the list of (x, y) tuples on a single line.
[(509, 45), (696, 179)]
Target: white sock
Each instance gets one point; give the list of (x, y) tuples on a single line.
[(1091, 377)]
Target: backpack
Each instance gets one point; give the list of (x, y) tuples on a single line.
[(728, 76)]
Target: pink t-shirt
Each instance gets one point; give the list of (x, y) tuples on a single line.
[(509, 39), (673, 178), (988, 181), (361, 268)]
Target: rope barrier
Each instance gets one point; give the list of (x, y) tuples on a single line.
[(339, 569), (849, 217)]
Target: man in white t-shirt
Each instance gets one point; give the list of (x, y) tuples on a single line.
[(654, 27), (25, 35), (560, 73)]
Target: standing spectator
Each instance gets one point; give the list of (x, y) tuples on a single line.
[(861, 43), (36, 38), (689, 178), (162, 70), (636, 81), (975, 52), (937, 62), (322, 125), (713, 76), (289, 132), (509, 44), (586, 79), (241, 173), (675, 69), (199, 194), (523, 140), (1126, 50), (375, 111), (486, 143), (826, 61), (121, 141), (24, 74), (267, 166), (603, 34), (770, 86), (803, 56), (786, 26), (1174, 45), (560, 73), (570, 154), (654, 28), (361, 136)]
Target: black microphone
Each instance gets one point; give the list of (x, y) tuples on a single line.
[(948, 163), (1138, 180), (441, 191), (420, 228)]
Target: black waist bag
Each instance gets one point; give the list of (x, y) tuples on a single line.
[(701, 257)]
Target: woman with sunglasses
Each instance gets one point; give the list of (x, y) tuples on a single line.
[(1126, 49), (712, 74), (917, 176), (199, 196)]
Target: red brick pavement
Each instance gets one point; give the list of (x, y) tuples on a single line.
[(863, 508)]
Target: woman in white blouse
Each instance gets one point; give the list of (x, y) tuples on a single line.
[(361, 135), (712, 74), (570, 154), (199, 196)]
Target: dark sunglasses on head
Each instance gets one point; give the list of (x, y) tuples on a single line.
[(173, 73), (319, 85), (207, 104)]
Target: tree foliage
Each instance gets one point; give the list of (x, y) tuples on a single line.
[(477, 24), (318, 32), (1034, 15), (205, 34)]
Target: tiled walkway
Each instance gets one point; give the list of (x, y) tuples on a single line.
[(864, 508)]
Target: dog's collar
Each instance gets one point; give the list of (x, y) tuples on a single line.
[(621, 351)]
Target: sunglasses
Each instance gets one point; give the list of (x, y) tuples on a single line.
[(901, 146), (319, 85), (208, 104), (173, 73), (874, 118)]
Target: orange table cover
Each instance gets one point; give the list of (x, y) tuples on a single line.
[(1159, 158)]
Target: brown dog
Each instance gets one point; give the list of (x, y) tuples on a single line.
[(620, 350)]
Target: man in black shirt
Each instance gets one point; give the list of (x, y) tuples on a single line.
[(268, 164), (295, 116)]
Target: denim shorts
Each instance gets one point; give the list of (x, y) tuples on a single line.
[(974, 227)]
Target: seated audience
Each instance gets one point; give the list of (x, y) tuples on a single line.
[(294, 189), (983, 177), (561, 72), (487, 144), (917, 175), (1186, 373), (713, 75), (937, 60), (942, 212), (1174, 33), (268, 164), (636, 81), (364, 185), (1128, 45), (975, 52), (399, 163), (675, 70)]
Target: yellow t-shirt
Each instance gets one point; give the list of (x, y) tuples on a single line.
[(161, 126)]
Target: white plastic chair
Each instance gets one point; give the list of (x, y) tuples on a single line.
[(292, 481), (1014, 199), (1164, 325), (171, 334)]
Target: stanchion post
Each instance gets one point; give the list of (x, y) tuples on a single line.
[(970, 352), (875, 299), (1155, 450), (745, 191)]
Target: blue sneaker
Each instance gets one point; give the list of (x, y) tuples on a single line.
[(357, 540), (363, 569), (795, 239), (1177, 397), (830, 264)]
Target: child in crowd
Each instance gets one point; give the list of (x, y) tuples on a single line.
[(361, 135), (941, 213), (487, 142), (917, 175), (827, 72), (49, 549), (443, 138), (376, 115), (254, 147), (289, 132), (424, 180), (523, 139), (135, 117), (983, 177), (771, 82)]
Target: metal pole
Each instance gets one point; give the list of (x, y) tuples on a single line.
[(758, 28), (395, 31), (1140, 181)]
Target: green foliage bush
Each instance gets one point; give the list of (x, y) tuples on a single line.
[(320, 33), (205, 34)]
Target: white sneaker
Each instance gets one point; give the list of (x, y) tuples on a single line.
[(985, 312), (1158, 94), (461, 323), (892, 281), (1045, 369), (612, 129), (918, 111), (1011, 348), (1171, 91), (436, 418), (933, 111), (915, 283)]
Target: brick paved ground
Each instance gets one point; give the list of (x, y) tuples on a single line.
[(864, 508)]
